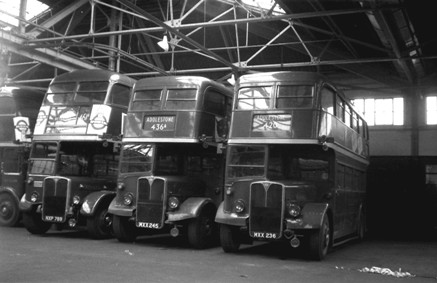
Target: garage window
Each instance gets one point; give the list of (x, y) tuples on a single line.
[(431, 110), (381, 111)]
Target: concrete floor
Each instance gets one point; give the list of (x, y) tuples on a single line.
[(70, 256)]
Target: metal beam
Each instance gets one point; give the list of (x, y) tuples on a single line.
[(58, 17), (47, 56), (178, 33), (204, 24)]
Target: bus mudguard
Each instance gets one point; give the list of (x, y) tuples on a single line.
[(229, 218), (93, 200), (312, 216), (190, 208), (11, 191), (25, 205), (120, 210)]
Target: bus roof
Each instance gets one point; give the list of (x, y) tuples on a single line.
[(177, 81), (289, 76), (92, 75)]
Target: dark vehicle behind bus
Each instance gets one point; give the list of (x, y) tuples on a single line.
[(18, 112)]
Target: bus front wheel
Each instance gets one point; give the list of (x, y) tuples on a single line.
[(201, 230), (319, 240), (34, 224), (124, 230), (230, 238), (9, 212), (99, 224)]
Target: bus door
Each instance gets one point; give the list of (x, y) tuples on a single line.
[(11, 168), (340, 202)]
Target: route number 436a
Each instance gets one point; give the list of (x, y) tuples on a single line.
[(158, 127)]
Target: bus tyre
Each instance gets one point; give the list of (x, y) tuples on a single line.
[(229, 238), (9, 212), (124, 230), (99, 225), (201, 230), (34, 224), (319, 240)]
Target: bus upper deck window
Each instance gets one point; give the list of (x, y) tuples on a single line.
[(181, 99), (295, 96), (61, 93), (92, 92), (250, 98), (147, 99)]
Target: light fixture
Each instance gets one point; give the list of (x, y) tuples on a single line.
[(231, 80), (164, 43)]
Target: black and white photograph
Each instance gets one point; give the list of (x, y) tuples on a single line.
[(218, 141)]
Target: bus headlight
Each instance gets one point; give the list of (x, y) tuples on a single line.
[(173, 202), (294, 209), (30, 180), (239, 206), (128, 199), (34, 197), (76, 200)]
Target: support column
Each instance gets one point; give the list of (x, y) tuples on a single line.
[(416, 105), (23, 8)]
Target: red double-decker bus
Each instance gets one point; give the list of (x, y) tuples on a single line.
[(18, 112), (172, 166), (296, 164), (75, 151)]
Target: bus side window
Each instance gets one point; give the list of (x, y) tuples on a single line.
[(339, 108), (214, 102), (347, 115), (327, 100), (119, 95)]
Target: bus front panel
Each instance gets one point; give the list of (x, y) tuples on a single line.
[(151, 203), (266, 210)]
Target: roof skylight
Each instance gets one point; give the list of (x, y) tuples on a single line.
[(8, 7)]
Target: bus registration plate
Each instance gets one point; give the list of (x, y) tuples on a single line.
[(264, 235), (159, 123), (53, 218)]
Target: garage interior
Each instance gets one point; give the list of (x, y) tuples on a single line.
[(378, 50)]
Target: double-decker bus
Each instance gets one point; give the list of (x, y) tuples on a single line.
[(172, 166), (296, 164), (18, 112), (74, 155)]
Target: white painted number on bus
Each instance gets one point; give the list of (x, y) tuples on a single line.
[(158, 127)]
